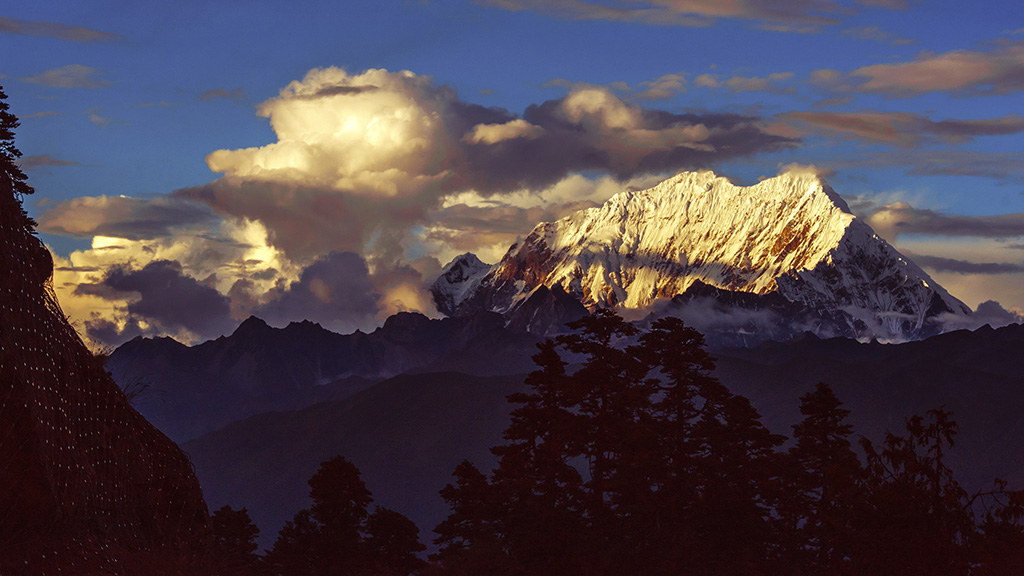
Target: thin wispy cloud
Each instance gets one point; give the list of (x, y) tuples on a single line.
[(900, 128), (780, 15), (941, 264), (70, 76), (236, 95), (55, 30), (736, 84), (44, 114), (889, 4), (960, 72), (876, 34), (41, 162), (160, 104), (93, 114), (123, 217), (661, 88), (1003, 166), (898, 218)]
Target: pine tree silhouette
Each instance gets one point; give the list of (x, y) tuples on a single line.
[(635, 460), (337, 537), (234, 541)]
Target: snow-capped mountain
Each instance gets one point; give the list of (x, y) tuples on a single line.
[(791, 235), (459, 279)]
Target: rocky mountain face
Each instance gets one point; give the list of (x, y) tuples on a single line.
[(87, 485), (458, 279), (791, 235)]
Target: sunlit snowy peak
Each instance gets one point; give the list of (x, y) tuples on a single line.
[(791, 235)]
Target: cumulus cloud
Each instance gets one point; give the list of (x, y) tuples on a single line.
[(593, 129), (396, 134), (358, 153), (233, 258), (784, 15), (70, 76), (54, 30), (161, 300), (900, 128), (123, 217), (216, 254), (389, 142), (404, 287), (305, 222), (494, 133), (334, 290)]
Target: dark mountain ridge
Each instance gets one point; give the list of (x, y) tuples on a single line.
[(194, 390)]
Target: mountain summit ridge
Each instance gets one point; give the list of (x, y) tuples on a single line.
[(791, 234)]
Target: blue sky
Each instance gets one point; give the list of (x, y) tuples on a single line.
[(182, 185)]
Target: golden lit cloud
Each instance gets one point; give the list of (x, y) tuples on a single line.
[(216, 257), (378, 132), (494, 133)]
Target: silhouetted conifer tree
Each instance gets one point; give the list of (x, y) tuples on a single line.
[(998, 546), (825, 489), (392, 541), (920, 522), (11, 176), (638, 462), (471, 539), (234, 541), (337, 536), (298, 550)]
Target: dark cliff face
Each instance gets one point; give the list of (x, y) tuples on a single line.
[(85, 481)]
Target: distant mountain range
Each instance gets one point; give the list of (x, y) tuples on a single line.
[(190, 391), (790, 236), (407, 433)]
